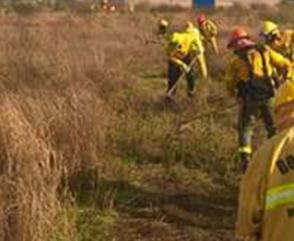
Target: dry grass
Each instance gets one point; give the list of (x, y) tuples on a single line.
[(59, 78), (53, 119), (80, 104)]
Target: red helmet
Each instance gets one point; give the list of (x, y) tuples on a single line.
[(201, 19), (238, 33)]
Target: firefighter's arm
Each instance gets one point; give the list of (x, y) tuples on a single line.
[(281, 62), (230, 78), (180, 63), (171, 50), (252, 197), (213, 28), (168, 48)]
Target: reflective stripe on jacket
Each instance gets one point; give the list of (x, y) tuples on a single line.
[(280, 195), (266, 200)]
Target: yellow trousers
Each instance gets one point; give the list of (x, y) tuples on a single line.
[(202, 66), (213, 44)]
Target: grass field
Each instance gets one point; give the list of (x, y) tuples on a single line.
[(89, 149)]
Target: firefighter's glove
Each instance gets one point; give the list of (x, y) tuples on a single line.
[(186, 69)]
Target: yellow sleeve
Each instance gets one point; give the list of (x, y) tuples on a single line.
[(230, 78), (178, 62), (212, 28), (252, 195), (169, 48), (170, 53), (173, 41), (198, 42), (281, 62)]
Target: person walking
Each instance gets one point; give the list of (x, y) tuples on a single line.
[(249, 78)]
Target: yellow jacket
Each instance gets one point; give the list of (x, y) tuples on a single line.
[(208, 29), (285, 44), (239, 70), (179, 47), (179, 43), (183, 44), (266, 199), (197, 44), (198, 50)]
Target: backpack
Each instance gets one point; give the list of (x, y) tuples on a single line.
[(256, 88)]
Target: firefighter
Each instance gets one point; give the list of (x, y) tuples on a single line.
[(163, 26), (209, 32), (280, 41), (182, 51), (198, 48), (266, 199), (249, 78), (104, 5)]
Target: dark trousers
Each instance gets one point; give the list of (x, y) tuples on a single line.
[(248, 110), (174, 73)]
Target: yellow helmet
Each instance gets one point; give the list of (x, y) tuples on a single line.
[(269, 28), (163, 23), (284, 95), (189, 26)]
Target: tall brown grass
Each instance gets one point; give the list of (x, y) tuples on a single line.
[(53, 119)]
